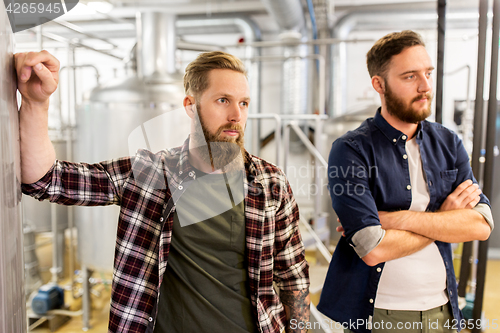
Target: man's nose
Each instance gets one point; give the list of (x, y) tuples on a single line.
[(234, 113), (425, 84)]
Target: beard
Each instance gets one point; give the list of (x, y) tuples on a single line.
[(405, 112), (224, 153)]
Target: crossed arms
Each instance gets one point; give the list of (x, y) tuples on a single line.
[(407, 232)]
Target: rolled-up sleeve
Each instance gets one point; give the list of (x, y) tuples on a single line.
[(485, 210)]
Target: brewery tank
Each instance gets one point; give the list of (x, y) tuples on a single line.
[(150, 100), (12, 295)]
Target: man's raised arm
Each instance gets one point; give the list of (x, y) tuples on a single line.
[(37, 79)]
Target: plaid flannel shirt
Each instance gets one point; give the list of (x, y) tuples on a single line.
[(147, 187)]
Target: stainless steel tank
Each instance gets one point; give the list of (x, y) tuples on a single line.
[(107, 119), (12, 296)]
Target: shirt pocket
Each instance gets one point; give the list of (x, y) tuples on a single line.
[(448, 178), (449, 175)]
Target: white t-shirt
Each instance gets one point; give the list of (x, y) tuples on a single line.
[(416, 282)]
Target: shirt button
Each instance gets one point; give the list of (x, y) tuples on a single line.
[(180, 187), (430, 182), (150, 319), (405, 156), (394, 140), (161, 219), (180, 172), (403, 137), (191, 174), (379, 269), (371, 300), (408, 187)]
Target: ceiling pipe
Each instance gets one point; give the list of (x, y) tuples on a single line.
[(289, 14), (156, 44)]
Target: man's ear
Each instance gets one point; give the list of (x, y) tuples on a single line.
[(189, 106), (378, 84)]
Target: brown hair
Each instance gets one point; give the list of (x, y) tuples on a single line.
[(381, 53), (196, 76)]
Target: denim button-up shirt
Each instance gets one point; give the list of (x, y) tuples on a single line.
[(368, 172)]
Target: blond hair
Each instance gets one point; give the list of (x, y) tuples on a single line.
[(196, 75)]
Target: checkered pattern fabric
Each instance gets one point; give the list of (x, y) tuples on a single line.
[(146, 187)]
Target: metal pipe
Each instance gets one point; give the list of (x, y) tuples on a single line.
[(302, 116), (286, 147), (97, 75), (277, 132), (488, 166), (319, 317), (318, 127), (76, 28), (156, 44), (440, 59), (184, 45), (467, 129), (54, 270), (86, 298), (322, 41), (322, 78), (289, 14), (58, 38), (479, 101), (318, 158), (465, 268), (478, 134), (312, 149), (39, 36), (321, 247)]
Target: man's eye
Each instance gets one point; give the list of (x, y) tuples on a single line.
[(222, 100)]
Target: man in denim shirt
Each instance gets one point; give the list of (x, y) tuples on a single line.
[(403, 190)]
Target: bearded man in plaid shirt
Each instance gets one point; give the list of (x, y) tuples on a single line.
[(224, 220)]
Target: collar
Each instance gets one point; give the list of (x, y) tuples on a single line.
[(183, 165), (392, 134)]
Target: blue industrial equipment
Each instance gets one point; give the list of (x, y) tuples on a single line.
[(49, 297)]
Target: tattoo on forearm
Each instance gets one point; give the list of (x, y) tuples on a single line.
[(297, 309)]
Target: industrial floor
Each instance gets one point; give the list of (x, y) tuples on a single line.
[(100, 303)]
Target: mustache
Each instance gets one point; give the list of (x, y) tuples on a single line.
[(233, 127), (419, 97)]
